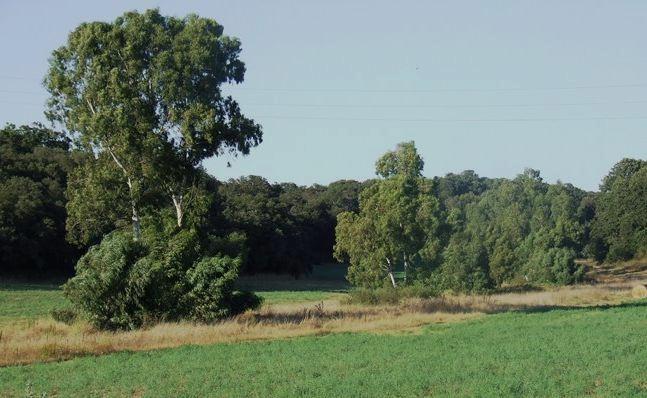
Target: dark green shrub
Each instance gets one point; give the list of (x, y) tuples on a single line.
[(122, 284), (212, 284), (465, 267), (64, 315), (554, 265), (104, 287), (241, 301)]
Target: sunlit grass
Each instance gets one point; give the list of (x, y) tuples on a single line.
[(598, 351), (26, 301)]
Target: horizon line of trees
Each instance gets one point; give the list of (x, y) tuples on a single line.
[(49, 217)]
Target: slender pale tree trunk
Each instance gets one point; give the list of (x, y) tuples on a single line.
[(137, 226), (406, 267), (179, 212), (389, 270), (137, 229)]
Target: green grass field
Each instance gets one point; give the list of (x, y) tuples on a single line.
[(596, 351), (21, 301), (324, 282), (26, 301)]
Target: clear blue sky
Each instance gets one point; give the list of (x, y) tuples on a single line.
[(560, 86)]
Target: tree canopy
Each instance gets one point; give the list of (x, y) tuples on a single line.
[(396, 224), (34, 167), (146, 90), (619, 230)]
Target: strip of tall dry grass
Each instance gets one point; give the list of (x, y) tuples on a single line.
[(47, 340)]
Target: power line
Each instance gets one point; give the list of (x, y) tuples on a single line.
[(403, 120), (297, 105), (416, 106), (493, 89), (21, 103), (453, 120), (631, 85), (15, 77), (22, 92)]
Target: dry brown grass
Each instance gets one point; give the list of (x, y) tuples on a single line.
[(621, 272), (47, 340)]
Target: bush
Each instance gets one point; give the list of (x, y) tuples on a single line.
[(554, 265), (64, 315), (212, 284), (104, 286), (122, 284)]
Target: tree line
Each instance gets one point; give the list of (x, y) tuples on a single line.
[(480, 232), (469, 233)]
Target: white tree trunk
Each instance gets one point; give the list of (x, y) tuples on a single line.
[(389, 270), (179, 212), (392, 279), (137, 226), (137, 229), (406, 267)]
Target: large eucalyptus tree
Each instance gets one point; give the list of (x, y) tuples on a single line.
[(145, 91)]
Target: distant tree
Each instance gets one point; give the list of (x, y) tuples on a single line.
[(270, 221), (622, 170), (516, 230), (34, 163), (396, 223), (145, 91), (619, 230), (403, 161)]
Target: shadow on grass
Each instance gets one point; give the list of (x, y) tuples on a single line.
[(295, 285), (602, 307), (20, 286), (329, 278), (519, 289)]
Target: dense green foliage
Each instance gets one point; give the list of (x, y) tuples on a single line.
[(570, 352), (288, 228), (619, 231), (521, 229), (34, 165), (141, 100), (122, 283), (396, 226), (142, 97), (143, 93), (462, 232)]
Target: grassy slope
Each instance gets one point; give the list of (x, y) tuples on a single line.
[(600, 351)]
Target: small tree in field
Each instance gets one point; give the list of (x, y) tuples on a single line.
[(146, 90), (396, 224)]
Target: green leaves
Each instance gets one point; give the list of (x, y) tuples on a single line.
[(396, 226), (34, 163), (620, 225), (404, 160), (147, 89)]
